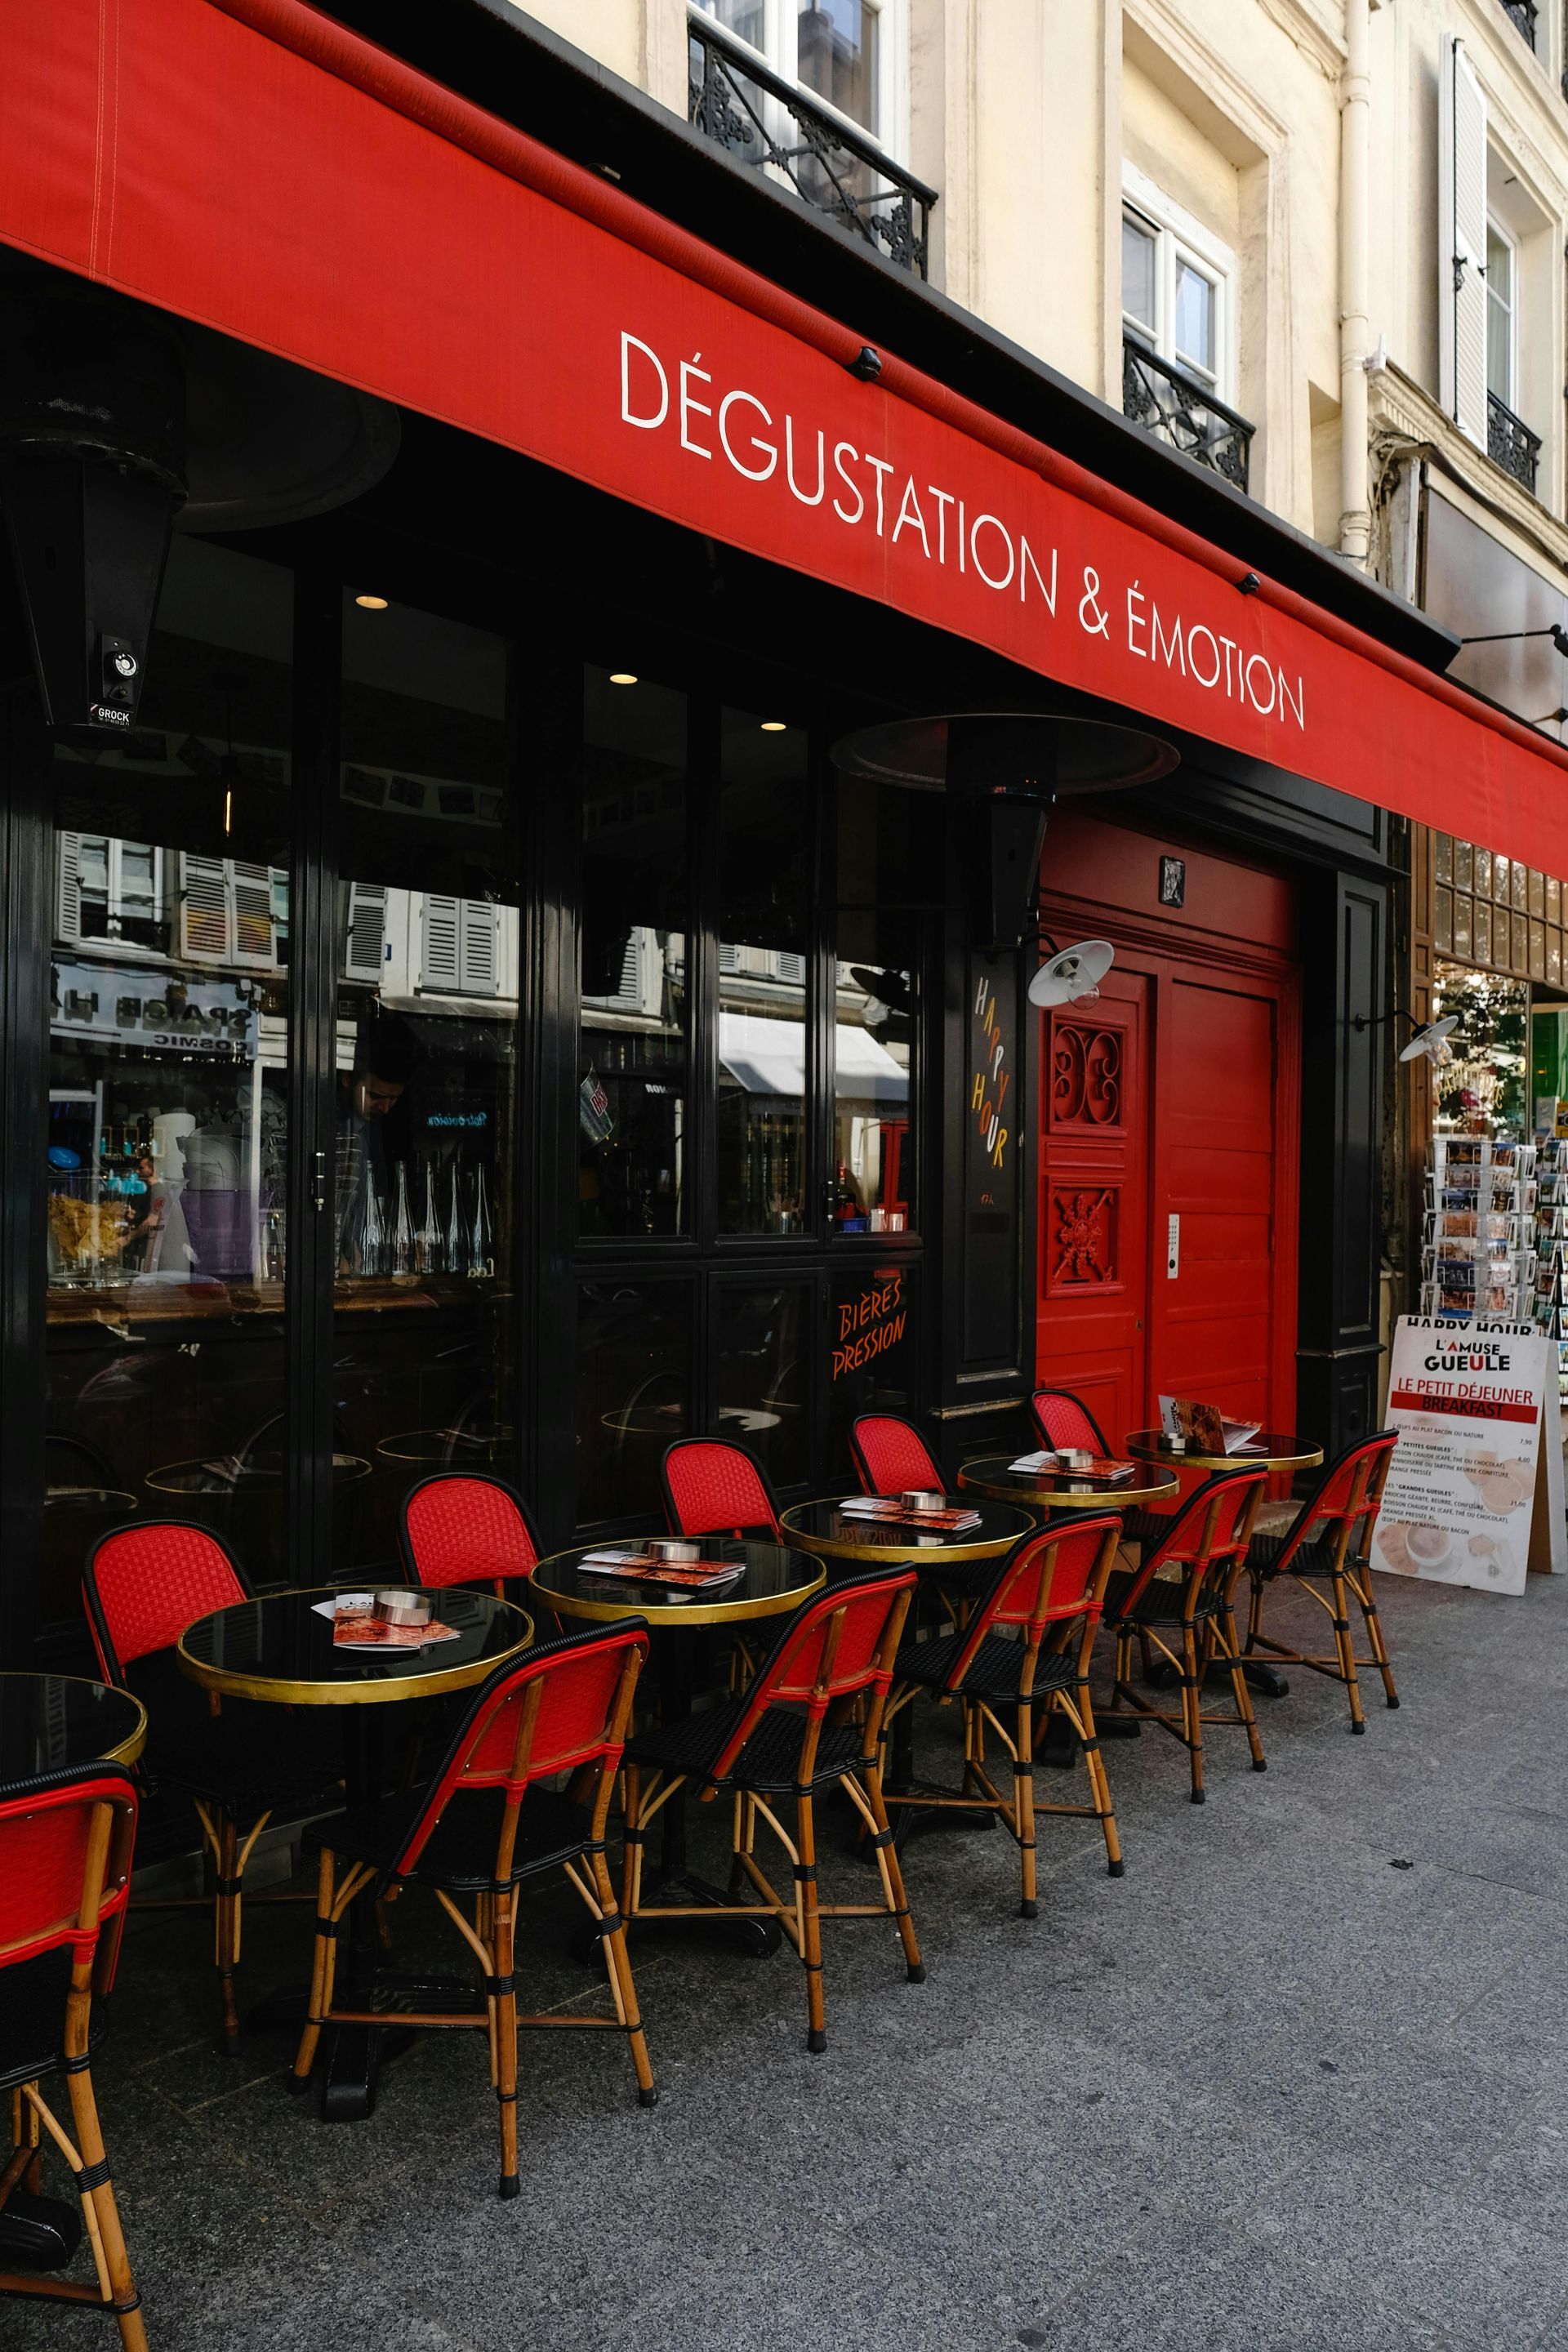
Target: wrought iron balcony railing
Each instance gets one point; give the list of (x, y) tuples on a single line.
[(1524, 14), (739, 103), (1184, 413), (1511, 443)]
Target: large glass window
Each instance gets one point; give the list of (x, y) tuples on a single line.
[(425, 1104), (634, 994), (882, 875), (871, 1351), (168, 1135), (761, 1343), (634, 1392), (764, 899)]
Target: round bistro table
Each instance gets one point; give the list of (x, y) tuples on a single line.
[(773, 1583), (277, 1650)]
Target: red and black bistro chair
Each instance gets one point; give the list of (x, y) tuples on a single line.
[(1331, 1544), (66, 1841), (463, 1527), (714, 1487), (891, 1457), (143, 1585), (1063, 1419), (1181, 1593), (999, 1672), (775, 1746), (482, 1826)]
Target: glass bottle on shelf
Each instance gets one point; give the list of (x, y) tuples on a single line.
[(456, 1247), (402, 1246), (481, 1240), (427, 1245)]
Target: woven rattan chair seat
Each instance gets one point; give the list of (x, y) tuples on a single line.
[(461, 1850), (994, 1672), (1263, 1554), (770, 1760), (1160, 1603)]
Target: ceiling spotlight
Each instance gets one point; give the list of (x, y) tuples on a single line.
[(772, 727), (623, 677), (372, 603), (1073, 975), (1432, 1041)]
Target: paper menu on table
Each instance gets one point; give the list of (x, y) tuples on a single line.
[(1204, 1427)]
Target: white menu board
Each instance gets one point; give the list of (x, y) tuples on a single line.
[(1472, 1403)]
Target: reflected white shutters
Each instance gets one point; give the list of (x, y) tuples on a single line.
[(253, 914), (204, 908), (461, 954), (68, 910), (1462, 245), (365, 943)]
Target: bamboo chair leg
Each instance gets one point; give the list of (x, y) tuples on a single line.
[(1346, 1648), (619, 1962), (1098, 1781), (505, 1953), (893, 1876), (1024, 1803), (103, 2215), (1374, 1634), (631, 1839), (810, 1924), (1238, 1685), (225, 1925), (321, 1988), (1191, 1706)]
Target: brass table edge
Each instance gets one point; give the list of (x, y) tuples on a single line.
[(128, 1749), (280, 1692), (1109, 1498), (1309, 1459), (917, 1555), (665, 1614)]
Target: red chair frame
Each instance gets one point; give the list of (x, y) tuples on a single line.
[(1053, 1578), (563, 1707), (1331, 1540), (1090, 1435), (835, 1654), (890, 1456), (1206, 1539), (736, 1484), (493, 1560), (66, 1844)]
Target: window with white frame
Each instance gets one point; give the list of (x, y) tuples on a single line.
[(1176, 287), (849, 54), (1502, 316)]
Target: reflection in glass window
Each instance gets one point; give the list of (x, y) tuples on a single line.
[(872, 1345), (168, 1086), (765, 862), (632, 1057), (762, 1342), (835, 55), (427, 1059), (634, 1391), (876, 1015)]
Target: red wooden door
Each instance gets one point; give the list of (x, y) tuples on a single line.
[(1093, 1239), (1221, 1326)]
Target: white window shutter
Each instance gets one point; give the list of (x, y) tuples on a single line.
[(1462, 245), (253, 914), (204, 908), (68, 887), (364, 945), (630, 989), (477, 956), (440, 963), (789, 966)]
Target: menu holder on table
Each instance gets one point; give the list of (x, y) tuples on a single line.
[(1205, 1428), (643, 1568)]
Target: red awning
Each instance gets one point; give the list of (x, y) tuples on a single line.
[(253, 165)]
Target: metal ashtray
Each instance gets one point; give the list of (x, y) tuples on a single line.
[(1170, 1443), (921, 1498), (1073, 1457), (403, 1608), (673, 1549)]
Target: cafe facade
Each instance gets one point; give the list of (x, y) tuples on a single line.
[(508, 976)]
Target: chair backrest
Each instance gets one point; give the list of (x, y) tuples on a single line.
[(65, 1840), (1051, 1576), (713, 1486), (563, 1706), (1347, 1497), (1210, 1532), (837, 1644), (462, 1526), (1062, 1419), (890, 1456), (144, 1584)]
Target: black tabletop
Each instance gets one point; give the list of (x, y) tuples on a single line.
[(50, 1720), (278, 1647), (773, 1579), (230, 1475), (1064, 1490), (826, 1528)]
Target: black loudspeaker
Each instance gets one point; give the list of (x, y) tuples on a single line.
[(1001, 774), (92, 417)]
